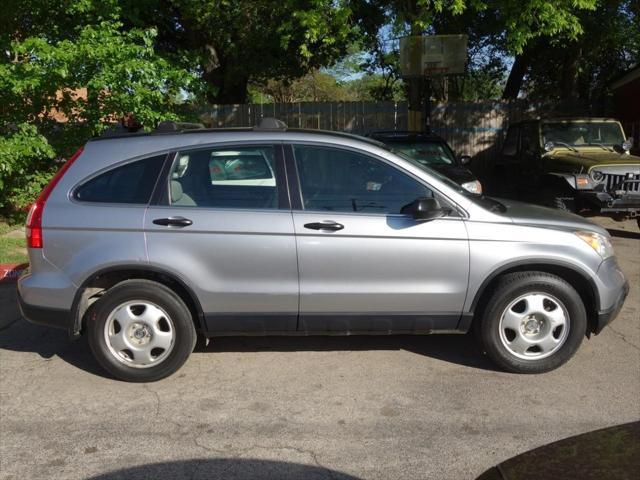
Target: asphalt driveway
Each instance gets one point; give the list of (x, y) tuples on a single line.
[(312, 408)]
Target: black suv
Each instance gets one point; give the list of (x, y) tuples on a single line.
[(432, 151)]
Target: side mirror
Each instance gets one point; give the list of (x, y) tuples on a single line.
[(424, 209), (465, 159), (549, 146), (627, 144)]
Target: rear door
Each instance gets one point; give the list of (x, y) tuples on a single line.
[(363, 266), (223, 224)]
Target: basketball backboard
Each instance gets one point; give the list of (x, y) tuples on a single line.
[(433, 55)]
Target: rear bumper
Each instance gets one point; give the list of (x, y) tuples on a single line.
[(50, 317)]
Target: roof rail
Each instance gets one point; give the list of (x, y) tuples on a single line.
[(171, 126), (271, 124), (426, 131)]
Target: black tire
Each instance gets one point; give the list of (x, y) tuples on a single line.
[(182, 329), (514, 286), (566, 204)]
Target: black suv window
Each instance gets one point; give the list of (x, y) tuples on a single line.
[(529, 138), (230, 177), (131, 183), (338, 180), (510, 145)]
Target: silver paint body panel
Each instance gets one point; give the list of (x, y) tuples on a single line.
[(256, 262)]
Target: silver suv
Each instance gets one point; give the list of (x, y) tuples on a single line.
[(144, 241)]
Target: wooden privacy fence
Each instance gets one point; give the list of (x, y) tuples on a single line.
[(474, 128)]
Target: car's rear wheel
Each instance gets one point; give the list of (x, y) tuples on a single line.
[(140, 331), (534, 322)]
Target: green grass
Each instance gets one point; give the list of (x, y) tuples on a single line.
[(13, 250)]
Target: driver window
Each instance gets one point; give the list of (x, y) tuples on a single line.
[(510, 146), (343, 181), (528, 138)]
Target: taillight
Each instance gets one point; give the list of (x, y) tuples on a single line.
[(34, 219)]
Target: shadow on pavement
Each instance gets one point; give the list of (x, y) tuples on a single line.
[(23, 336), (452, 348), (623, 233), (224, 468)]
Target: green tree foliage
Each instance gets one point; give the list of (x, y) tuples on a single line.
[(582, 69), (234, 43), (62, 82)]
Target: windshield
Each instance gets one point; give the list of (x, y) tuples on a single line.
[(581, 134), (427, 153), (485, 202)]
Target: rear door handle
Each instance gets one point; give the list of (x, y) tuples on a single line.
[(324, 225), (173, 222)]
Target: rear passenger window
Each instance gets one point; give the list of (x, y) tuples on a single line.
[(131, 183), (232, 177)]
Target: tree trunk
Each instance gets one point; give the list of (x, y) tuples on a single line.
[(226, 89), (516, 75), (234, 91), (225, 85), (569, 81)]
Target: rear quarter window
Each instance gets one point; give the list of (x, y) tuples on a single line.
[(131, 183)]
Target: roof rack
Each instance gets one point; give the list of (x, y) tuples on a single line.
[(171, 126), (271, 124), (399, 133)]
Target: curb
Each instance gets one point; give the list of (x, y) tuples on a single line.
[(9, 272)]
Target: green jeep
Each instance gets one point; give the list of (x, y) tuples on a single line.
[(579, 164)]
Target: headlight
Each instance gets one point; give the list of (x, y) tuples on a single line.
[(583, 182), (473, 187), (597, 176), (599, 243)]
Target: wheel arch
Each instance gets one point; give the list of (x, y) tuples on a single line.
[(578, 279), (105, 278)]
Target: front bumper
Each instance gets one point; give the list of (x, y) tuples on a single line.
[(49, 317), (607, 316), (612, 289), (622, 203)]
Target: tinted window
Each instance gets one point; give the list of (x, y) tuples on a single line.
[(427, 153), (130, 183), (343, 181), (510, 146), (529, 138), (225, 178)]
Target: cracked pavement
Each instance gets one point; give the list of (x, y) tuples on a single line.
[(313, 408)]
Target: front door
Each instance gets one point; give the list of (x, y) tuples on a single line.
[(226, 229), (363, 266)]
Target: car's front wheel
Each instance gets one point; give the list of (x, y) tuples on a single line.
[(532, 323), (140, 331)]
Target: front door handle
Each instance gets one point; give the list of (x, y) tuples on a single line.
[(325, 225), (173, 222)]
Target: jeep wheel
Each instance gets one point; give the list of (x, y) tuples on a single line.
[(552, 200), (534, 322), (141, 331)]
